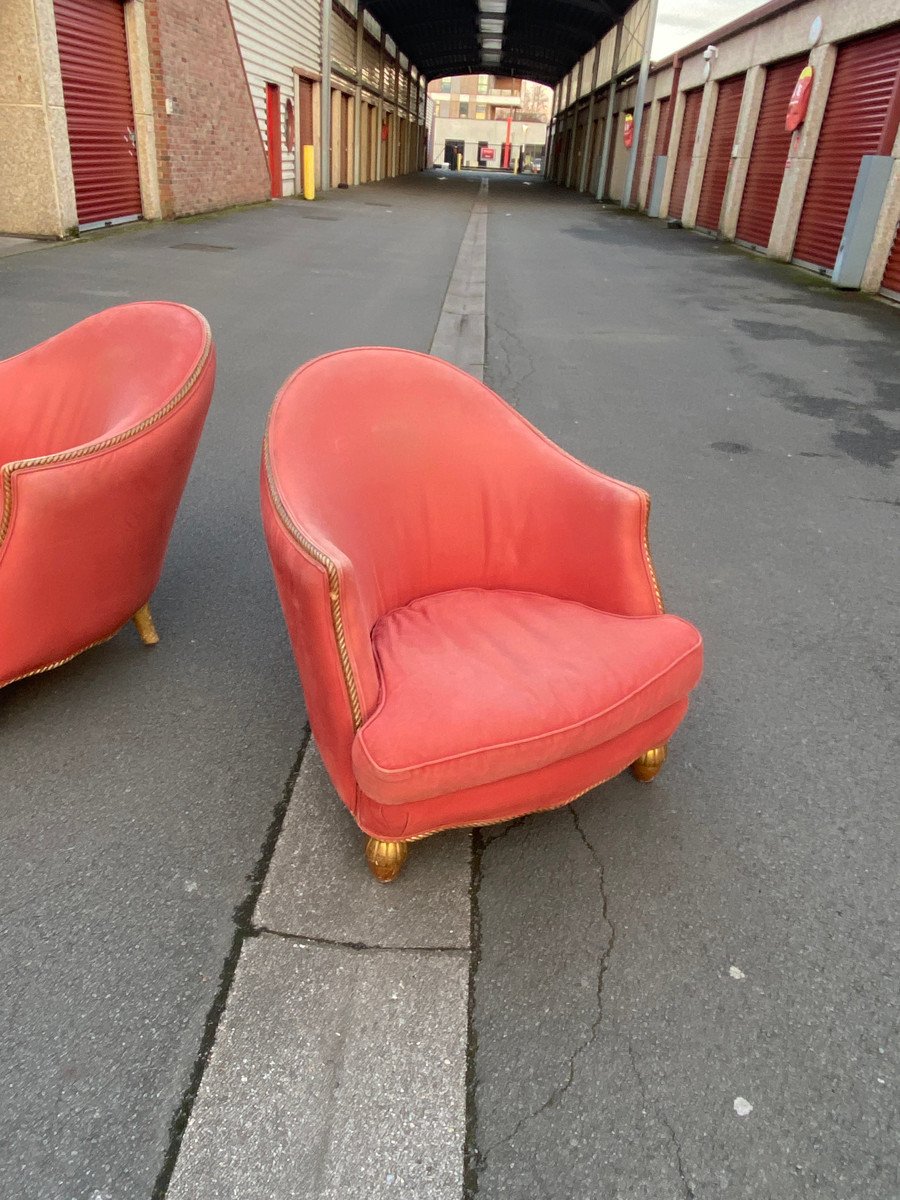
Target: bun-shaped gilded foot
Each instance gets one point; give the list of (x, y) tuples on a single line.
[(386, 859), (143, 623), (649, 765)]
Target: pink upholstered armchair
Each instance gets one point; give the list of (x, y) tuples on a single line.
[(98, 430), (474, 613)]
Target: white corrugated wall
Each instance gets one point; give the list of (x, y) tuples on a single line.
[(371, 66), (274, 36), (343, 43)]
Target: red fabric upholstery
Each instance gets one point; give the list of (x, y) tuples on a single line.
[(98, 430), (417, 523), (477, 686), (545, 788)]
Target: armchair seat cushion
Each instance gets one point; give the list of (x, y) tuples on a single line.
[(480, 685)]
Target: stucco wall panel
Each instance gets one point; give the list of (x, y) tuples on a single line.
[(751, 101), (671, 150), (27, 184), (20, 60), (887, 232), (886, 242), (708, 106), (719, 160), (37, 191)]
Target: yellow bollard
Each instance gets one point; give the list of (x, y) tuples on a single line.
[(309, 172), (458, 161)]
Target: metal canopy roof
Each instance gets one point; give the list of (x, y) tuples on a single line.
[(529, 39)]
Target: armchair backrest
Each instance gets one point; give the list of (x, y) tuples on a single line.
[(411, 469), (96, 379)]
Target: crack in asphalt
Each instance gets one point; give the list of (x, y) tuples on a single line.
[(490, 839), (510, 376), (560, 1090), (665, 1122)]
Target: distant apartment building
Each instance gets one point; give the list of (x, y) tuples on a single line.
[(488, 121)]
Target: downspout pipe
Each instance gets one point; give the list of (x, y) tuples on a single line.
[(325, 100), (633, 164), (676, 79), (607, 128)]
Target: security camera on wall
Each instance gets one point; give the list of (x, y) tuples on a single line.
[(710, 52)]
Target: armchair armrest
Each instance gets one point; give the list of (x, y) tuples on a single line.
[(582, 535), (329, 628)]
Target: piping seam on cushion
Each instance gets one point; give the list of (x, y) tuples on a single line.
[(385, 773)]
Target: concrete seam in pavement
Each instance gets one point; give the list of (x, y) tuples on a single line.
[(470, 1146), (460, 336), (242, 930)]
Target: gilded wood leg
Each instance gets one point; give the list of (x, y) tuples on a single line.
[(143, 622), (386, 859), (649, 765)]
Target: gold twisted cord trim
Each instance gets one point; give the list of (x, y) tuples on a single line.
[(334, 589), (60, 661), (96, 447), (653, 579)]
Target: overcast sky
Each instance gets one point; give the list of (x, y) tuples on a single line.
[(680, 22)]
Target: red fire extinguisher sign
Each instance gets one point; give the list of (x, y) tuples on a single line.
[(799, 100), (628, 131)]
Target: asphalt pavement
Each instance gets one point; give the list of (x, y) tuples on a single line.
[(689, 989), (680, 990)]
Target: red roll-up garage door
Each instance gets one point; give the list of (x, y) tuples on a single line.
[(718, 159), (659, 146), (864, 78), (771, 143), (93, 57), (890, 284), (685, 151)]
